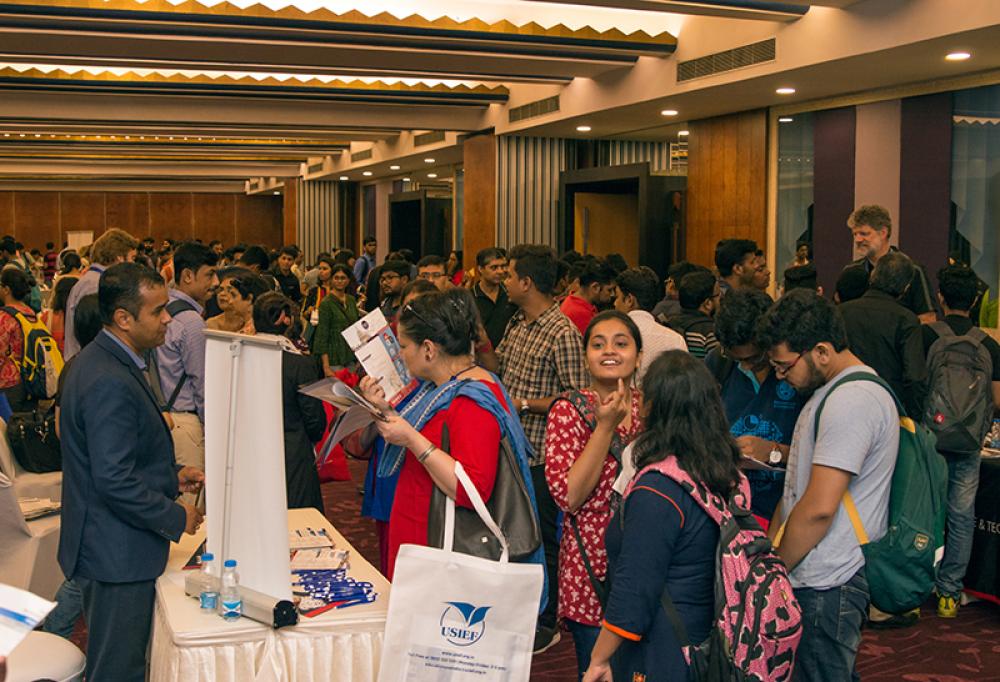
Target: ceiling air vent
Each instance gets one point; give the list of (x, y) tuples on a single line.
[(539, 108), (363, 155), (720, 62), (428, 138), (314, 167)]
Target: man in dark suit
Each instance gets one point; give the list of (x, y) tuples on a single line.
[(120, 480)]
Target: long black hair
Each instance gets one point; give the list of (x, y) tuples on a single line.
[(685, 418)]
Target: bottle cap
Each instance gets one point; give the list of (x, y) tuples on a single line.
[(230, 563), (207, 556)]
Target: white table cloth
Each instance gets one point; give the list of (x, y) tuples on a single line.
[(192, 646)]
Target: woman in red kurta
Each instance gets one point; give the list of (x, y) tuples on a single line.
[(15, 287), (436, 335), (582, 455)]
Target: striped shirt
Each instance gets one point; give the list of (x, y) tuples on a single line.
[(698, 330), (539, 359)]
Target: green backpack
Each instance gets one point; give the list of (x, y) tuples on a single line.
[(900, 566)]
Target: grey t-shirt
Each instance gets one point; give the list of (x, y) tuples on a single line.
[(858, 433)]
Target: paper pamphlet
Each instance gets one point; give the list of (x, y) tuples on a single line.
[(348, 400), (377, 349), (751, 464), (20, 612)]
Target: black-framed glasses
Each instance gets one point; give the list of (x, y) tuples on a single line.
[(783, 368)]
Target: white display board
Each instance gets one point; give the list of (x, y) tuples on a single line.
[(245, 460)]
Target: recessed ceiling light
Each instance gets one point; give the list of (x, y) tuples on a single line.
[(6, 134), (406, 179), (785, 119), (583, 129), (38, 135), (683, 133), (428, 160), (344, 177), (957, 56), (432, 175), (668, 112), (367, 174), (277, 192), (785, 91), (393, 167)]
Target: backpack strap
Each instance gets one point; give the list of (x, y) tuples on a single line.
[(719, 365), (583, 406), (848, 499), (174, 308), (941, 328), (600, 588)]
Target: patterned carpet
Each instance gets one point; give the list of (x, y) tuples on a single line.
[(966, 649)]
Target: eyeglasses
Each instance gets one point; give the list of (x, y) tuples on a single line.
[(388, 277), (430, 275), (783, 368)]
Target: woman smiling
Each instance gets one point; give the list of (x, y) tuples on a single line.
[(584, 438)]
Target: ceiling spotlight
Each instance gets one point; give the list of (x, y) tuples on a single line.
[(583, 129), (785, 91), (367, 174), (344, 178), (432, 175), (22, 134), (428, 160), (406, 179), (37, 135), (127, 137), (6, 134), (683, 133), (277, 192), (668, 112), (785, 119), (957, 56), (393, 167)]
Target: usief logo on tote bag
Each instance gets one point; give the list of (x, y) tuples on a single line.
[(463, 624)]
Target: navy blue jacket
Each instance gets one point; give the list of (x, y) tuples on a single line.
[(119, 474)]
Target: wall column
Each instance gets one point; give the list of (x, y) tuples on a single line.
[(480, 196), (833, 194), (290, 232)]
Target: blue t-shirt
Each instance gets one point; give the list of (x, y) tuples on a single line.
[(767, 410)]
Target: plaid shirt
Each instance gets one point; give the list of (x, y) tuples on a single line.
[(539, 359)]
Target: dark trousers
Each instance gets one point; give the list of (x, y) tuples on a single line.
[(119, 620), (548, 514), (831, 631)]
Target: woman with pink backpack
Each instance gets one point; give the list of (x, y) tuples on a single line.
[(696, 591)]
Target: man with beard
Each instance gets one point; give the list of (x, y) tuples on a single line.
[(395, 274), (852, 450)]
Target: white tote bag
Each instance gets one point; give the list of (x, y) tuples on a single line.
[(457, 617)]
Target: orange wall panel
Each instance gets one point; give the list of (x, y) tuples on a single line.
[(127, 211), (215, 217), (36, 218), (171, 216), (480, 196), (6, 213), (259, 220), (727, 182), (81, 211)]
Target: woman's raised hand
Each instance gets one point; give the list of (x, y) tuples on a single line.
[(613, 409), (374, 393)]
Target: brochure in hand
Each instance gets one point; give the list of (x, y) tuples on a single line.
[(346, 399), (377, 349), (20, 613)]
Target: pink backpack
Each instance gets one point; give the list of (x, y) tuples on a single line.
[(758, 623)]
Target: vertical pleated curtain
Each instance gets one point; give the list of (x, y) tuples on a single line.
[(320, 217), (975, 179), (528, 171)]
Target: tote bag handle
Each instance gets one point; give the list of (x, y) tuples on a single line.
[(479, 506)]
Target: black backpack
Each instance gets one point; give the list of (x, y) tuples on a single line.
[(959, 378)]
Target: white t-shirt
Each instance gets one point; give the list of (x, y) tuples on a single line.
[(858, 433), (656, 339)]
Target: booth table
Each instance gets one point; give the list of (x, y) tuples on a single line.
[(983, 575), (190, 645)]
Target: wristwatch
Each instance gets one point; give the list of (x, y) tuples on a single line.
[(774, 457), (524, 406)]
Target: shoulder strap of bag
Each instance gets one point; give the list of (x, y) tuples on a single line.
[(941, 328), (600, 589), (477, 503), (721, 366), (176, 307), (581, 404)]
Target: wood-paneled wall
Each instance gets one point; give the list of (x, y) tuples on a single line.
[(35, 218), (479, 230), (727, 183)]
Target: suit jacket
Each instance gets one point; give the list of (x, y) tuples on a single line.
[(886, 336), (119, 474)]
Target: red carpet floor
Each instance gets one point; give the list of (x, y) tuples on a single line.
[(966, 649)]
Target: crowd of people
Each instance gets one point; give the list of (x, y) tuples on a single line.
[(592, 373)]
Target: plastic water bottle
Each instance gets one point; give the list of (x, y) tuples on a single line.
[(209, 596), (230, 603)]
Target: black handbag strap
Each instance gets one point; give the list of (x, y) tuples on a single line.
[(675, 618), (600, 589)]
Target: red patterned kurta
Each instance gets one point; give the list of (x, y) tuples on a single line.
[(12, 346), (566, 436)]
